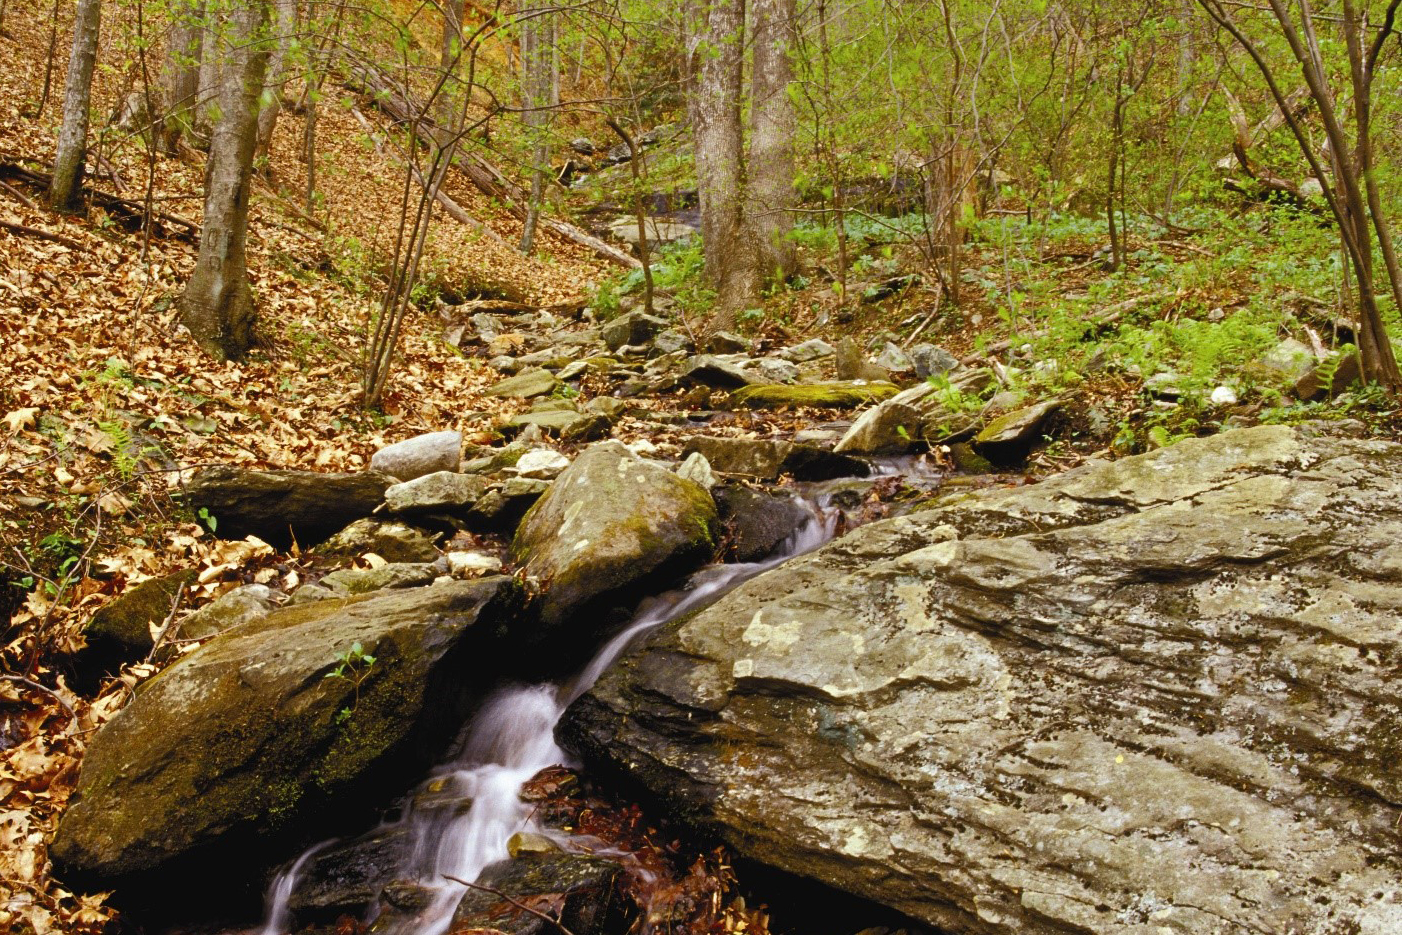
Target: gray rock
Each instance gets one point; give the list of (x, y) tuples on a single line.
[(501, 509), (757, 523), (524, 385), (1291, 359), (893, 358), (487, 327), (658, 231), (931, 361), (814, 349), (120, 630), (391, 540), (892, 426), (472, 564), (726, 342), (697, 468), (223, 763), (671, 341), (1152, 695), (584, 888), (773, 370), (609, 523), (505, 363), (573, 370), (311, 593), (388, 576), (542, 463), (277, 506), (347, 878), (568, 424), (420, 455), (717, 372), (234, 608), (851, 364), (760, 458), (443, 492), (632, 328), (1008, 437), (1339, 377)]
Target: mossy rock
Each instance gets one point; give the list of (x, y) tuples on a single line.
[(842, 395), (120, 631), (244, 750), (611, 522)]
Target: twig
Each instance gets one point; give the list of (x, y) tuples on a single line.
[(21, 196), (35, 686), (41, 234), (519, 905), (166, 625)]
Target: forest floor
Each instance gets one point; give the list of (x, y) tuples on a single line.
[(108, 406)]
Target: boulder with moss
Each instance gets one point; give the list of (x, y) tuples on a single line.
[(245, 749), (282, 506), (611, 527), (835, 395)]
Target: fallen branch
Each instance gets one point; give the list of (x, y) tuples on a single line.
[(125, 208), (519, 905), (41, 234), (19, 195), (35, 686)]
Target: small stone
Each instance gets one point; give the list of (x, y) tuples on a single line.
[(632, 328), (524, 385), (472, 564), (391, 575), (1224, 396), (504, 363), (544, 463), (774, 370), (1291, 359), (241, 605), (671, 341), (931, 361), (528, 842), (444, 490), (697, 468), (574, 369), (808, 350), (420, 455), (725, 342), (893, 358)]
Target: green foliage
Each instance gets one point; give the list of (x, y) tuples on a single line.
[(353, 666)]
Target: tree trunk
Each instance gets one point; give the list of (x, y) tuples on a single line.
[(720, 171), (180, 75), (65, 194), (773, 125), (217, 305), (270, 104), (216, 27), (540, 93)]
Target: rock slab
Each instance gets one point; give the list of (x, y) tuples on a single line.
[(277, 506), (1151, 696)]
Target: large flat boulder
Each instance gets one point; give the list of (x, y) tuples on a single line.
[(1152, 696), (278, 506), (611, 522), (241, 750)]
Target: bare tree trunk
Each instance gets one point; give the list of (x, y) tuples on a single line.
[(270, 104), (540, 94), (180, 75), (773, 126), (217, 305), (65, 192), (720, 170), (450, 58), (216, 27)]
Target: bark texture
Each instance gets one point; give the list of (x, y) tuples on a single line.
[(65, 192), (217, 305), (180, 75), (773, 125), (270, 104)]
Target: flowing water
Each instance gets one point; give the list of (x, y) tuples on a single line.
[(510, 740)]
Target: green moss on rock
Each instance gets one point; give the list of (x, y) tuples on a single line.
[(844, 395)]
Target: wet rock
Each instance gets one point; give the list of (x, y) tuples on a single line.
[(716, 372), (757, 523), (348, 878), (277, 506), (632, 328), (542, 463), (236, 753), (581, 891), (415, 457), (1154, 694), (442, 492), (528, 842), (812, 463), (760, 458), (241, 605), (968, 461), (389, 575), (889, 427), (611, 522), (392, 540), (814, 349), (1008, 437), (839, 395), (525, 385)]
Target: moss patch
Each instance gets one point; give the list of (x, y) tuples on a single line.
[(819, 395)]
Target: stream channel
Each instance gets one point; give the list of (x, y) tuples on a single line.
[(459, 820)]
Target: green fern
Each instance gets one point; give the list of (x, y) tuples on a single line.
[(120, 437)]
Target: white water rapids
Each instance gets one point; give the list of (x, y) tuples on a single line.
[(511, 738)]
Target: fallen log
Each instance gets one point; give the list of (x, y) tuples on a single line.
[(132, 213)]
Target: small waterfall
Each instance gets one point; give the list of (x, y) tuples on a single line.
[(510, 740)]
